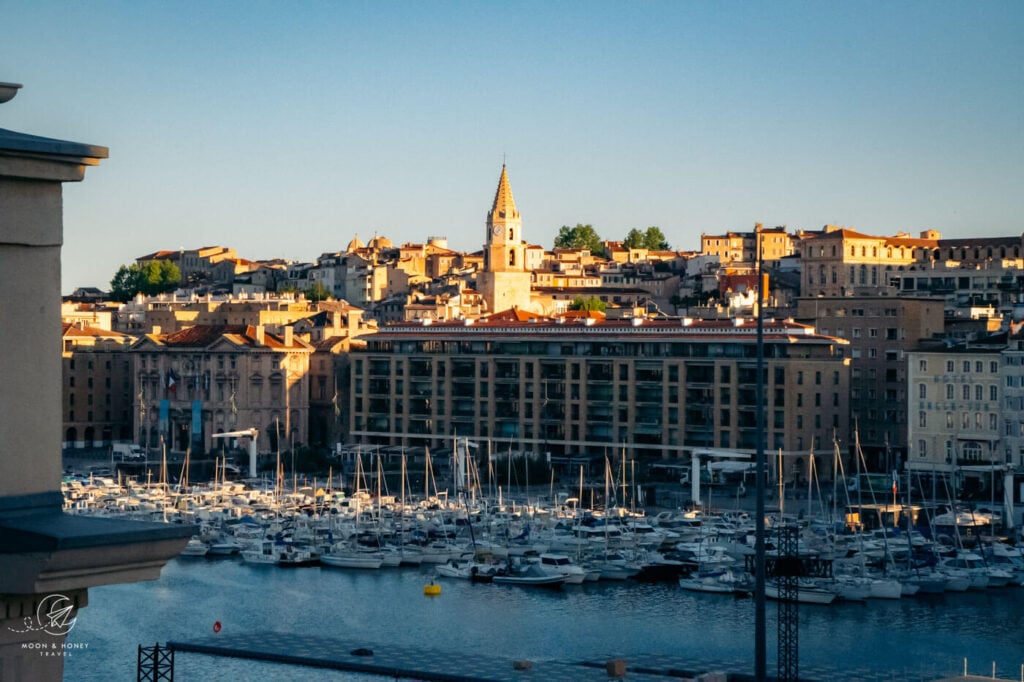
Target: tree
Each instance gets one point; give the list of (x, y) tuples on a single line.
[(580, 237), (151, 279), (126, 283), (651, 239), (318, 292), (590, 303)]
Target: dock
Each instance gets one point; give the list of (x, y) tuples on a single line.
[(401, 662)]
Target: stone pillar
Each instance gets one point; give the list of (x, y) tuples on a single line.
[(48, 560)]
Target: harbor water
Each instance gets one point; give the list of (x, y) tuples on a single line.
[(919, 638)]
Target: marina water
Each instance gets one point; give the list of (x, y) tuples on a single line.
[(919, 638)]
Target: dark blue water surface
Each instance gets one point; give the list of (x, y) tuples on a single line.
[(908, 639)]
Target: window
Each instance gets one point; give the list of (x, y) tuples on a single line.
[(967, 392), (922, 448), (978, 392), (993, 422), (949, 365), (922, 391), (922, 365), (949, 420), (922, 419), (993, 392), (977, 366), (994, 367), (967, 365), (950, 392)]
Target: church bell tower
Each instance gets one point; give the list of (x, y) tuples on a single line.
[(504, 281)]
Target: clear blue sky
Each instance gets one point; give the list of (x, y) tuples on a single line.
[(283, 128)]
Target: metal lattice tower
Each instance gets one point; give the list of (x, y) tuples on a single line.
[(787, 572), (155, 663)]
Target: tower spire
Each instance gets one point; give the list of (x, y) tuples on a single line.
[(504, 207)]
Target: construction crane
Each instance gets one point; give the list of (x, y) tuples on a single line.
[(253, 435)]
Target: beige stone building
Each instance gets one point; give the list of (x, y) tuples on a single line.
[(204, 380), (954, 413), (742, 247)]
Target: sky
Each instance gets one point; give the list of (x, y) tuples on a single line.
[(283, 129)]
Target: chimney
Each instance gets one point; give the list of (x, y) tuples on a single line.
[(260, 335), (288, 335), (156, 330)]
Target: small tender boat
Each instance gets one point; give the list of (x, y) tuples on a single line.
[(195, 547), (529, 576), (465, 569), (725, 582)]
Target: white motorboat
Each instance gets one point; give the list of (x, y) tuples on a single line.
[(725, 582), (195, 548), (465, 569), (352, 559), (530, 575), (560, 564)]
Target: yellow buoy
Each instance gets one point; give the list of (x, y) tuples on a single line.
[(432, 590)]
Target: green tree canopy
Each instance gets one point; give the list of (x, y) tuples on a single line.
[(589, 303), (317, 292), (652, 239), (580, 237), (151, 279)]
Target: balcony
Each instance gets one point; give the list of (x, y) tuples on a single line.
[(649, 395)]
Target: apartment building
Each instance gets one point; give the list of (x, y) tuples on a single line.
[(97, 386), (1013, 397), (880, 331), (743, 247), (652, 389), (955, 413)]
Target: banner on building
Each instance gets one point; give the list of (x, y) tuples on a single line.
[(197, 426)]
